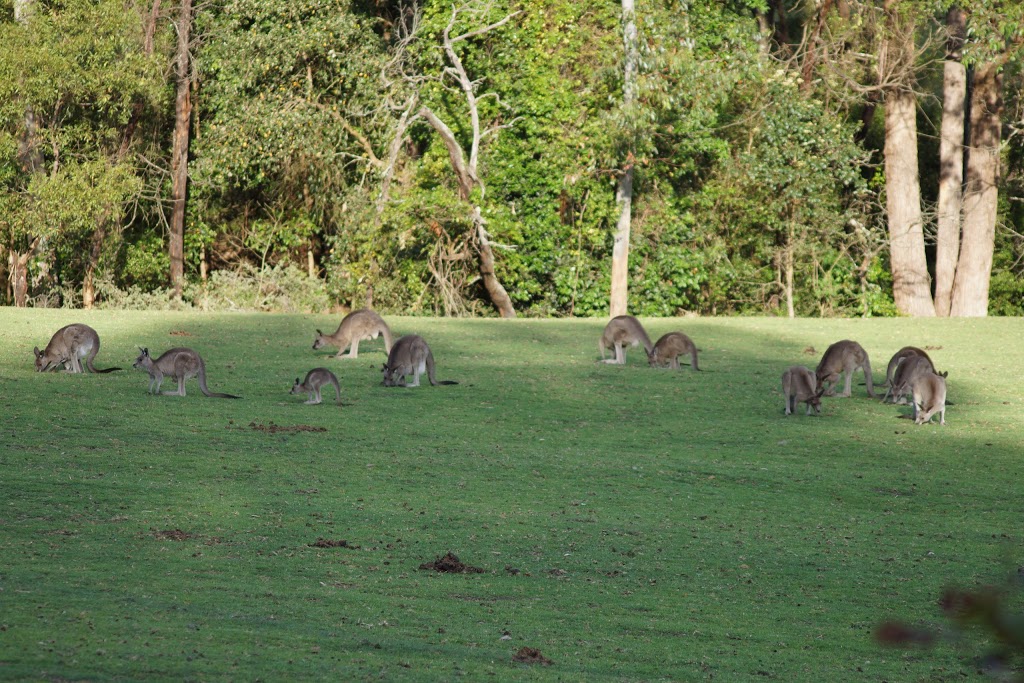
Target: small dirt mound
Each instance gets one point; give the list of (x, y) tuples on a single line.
[(180, 333), (450, 564), (173, 535), (531, 655), (272, 428), (328, 543)]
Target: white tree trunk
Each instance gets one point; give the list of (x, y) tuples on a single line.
[(974, 269), (910, 281), (619, 299), (951, 164)]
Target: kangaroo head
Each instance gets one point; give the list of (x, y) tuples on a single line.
[(390, 375), (41, 363), (319, 341), (297, 387), (143, 361), (652, 358)]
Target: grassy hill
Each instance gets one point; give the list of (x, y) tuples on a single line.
[(631, 523)]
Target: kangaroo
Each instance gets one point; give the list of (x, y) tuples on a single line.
[(68, 346), (410, 356), (669, 348), (909, 370), (843, 357), (355, 327), (316, 379), (799, 384), (929, 391), (621, 331), (897, 359), (179, 363)]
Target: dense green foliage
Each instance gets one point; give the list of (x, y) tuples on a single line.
[(632, 523), (740, 168)]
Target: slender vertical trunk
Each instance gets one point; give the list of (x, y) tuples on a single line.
[(179, 154), (619, 299), (910, 281), (974, 269), (951, 163), (30, 161), (788, 268)]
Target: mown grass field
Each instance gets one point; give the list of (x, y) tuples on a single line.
[(632, 524)]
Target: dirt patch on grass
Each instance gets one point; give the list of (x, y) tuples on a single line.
[(173, 535), (450, 564), (531, 655), (180, 333), (329, 543), (272, 428)]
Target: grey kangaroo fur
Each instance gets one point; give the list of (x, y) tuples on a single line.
[(355, 327), (843, 357), (669, 348), (67, 347), (929, 392), (622, 331), (410, 356), (898, 359), (799, 384), (316, 379), (179, 363)]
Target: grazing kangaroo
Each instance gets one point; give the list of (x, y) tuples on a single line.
[(355, 327), (799, 384), (410, 356), (621, 331), (316, 379), (68, 346), (179, 363), (669, 348), (843, 357), (897, 359), (929, 391)]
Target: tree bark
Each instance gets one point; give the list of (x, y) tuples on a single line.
[(951, 163), (974, 269), (179, 154), (618, 303), (911, 284), (31, 161)]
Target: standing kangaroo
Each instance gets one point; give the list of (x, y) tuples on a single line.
[(669, 348), (621, 331), (179, 363), (410, 356), (68, 346), (355, 327), (898, 359), (316, 379), (929, 391), (799, 384), (907, 372), (843, 357)]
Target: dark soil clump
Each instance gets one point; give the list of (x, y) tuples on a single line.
[(272, 428), (173, 535), (531, 655), (328, 543), (451, 564)]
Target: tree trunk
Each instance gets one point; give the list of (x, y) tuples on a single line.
[(910, 282), (974, 269), (495, 290), (179, 154), (951, 163), (619, 299)]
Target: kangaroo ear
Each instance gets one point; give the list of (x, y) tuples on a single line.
[(37, 352), (297, 381), (319, 333)]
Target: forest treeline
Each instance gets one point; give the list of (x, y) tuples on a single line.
[(837, 157)]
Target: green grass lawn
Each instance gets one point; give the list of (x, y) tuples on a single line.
[(632, 524)]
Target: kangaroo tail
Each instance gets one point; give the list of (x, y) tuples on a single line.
[(202, 384), (92, 368)]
